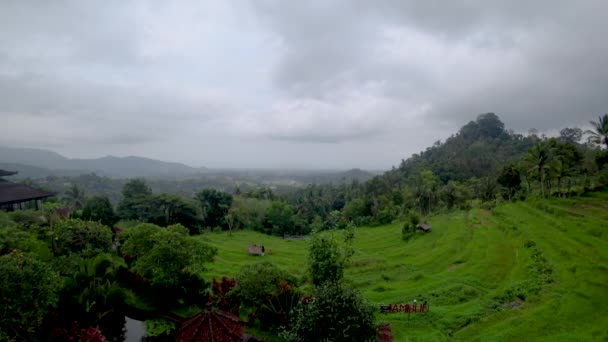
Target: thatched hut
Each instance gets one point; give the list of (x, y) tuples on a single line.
[(423, 227), (256, 250)]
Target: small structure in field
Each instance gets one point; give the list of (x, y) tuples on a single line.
[(256, 250), (423, 227)]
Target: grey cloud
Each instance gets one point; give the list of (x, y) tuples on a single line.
[(546, 57), (287, 80), (70, 30)]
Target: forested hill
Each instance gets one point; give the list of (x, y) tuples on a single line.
[(479, 149)]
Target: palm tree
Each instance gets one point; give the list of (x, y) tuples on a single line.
[(75, 198), (600, 134), (539, 160)]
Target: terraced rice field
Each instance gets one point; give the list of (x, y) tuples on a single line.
[(523, 271)]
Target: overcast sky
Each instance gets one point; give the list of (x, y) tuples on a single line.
[(297, 84)]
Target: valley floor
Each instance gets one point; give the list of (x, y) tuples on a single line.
[(524, 271)]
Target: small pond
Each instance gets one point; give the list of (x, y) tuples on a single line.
[(135, 330)]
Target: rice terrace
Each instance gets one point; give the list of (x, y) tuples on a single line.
[(522, 271)]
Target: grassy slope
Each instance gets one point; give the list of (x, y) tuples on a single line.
[(469, 260)]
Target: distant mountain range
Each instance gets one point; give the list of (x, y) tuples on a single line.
[(39, 163)]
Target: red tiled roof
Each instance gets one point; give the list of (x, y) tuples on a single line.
[(15, 193), (384, 333), (211, 326)]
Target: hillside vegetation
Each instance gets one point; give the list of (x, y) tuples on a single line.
[(522, 271)]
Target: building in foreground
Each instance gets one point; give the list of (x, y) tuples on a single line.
[(15, 196)]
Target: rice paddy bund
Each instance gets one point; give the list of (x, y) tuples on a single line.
[(522, 271)]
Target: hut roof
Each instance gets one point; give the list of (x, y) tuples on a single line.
[(255, 250), (424, 226), (16, 193), (211, 326)]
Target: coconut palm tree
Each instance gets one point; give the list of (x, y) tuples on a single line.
[(540, 162), (600, 133), (75, 198)]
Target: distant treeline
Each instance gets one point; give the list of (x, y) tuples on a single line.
[(483, 161)]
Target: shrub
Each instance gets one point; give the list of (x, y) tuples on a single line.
[(29, 289), (83, 237), (269, 292), (169, 260), (333, 314), (99, 209), (327, 260), (409, 227)]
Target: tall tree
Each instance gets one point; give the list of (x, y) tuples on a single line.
[(99, 208), (171, 209), (567, 160), (136, 201), (510, 179), (539, 160), (215, 205), (247, 213), (427, 191), (75, 198), (326, 259), (280, 218), (599, 134), (572, 135)]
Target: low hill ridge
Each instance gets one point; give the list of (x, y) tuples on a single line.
[(111, 166)]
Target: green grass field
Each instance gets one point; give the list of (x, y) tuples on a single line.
[(523, 271)]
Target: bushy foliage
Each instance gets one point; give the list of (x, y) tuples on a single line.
[(99, 209), (247, 213), (136, 201), (91, 294), (268, 292), (510, 179), (29, 288), (356, 209), (334, 313), (215, 205), (280, 218), (168, 258), (170, 209), (28, 218), (12, 237), (220, 295), (327, 259), (82, 237), (409, 227)]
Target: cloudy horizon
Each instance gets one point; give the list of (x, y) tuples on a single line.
[(273, 84)]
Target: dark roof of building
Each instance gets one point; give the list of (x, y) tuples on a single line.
[(7, 173), (211, 326), (16, 193)]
